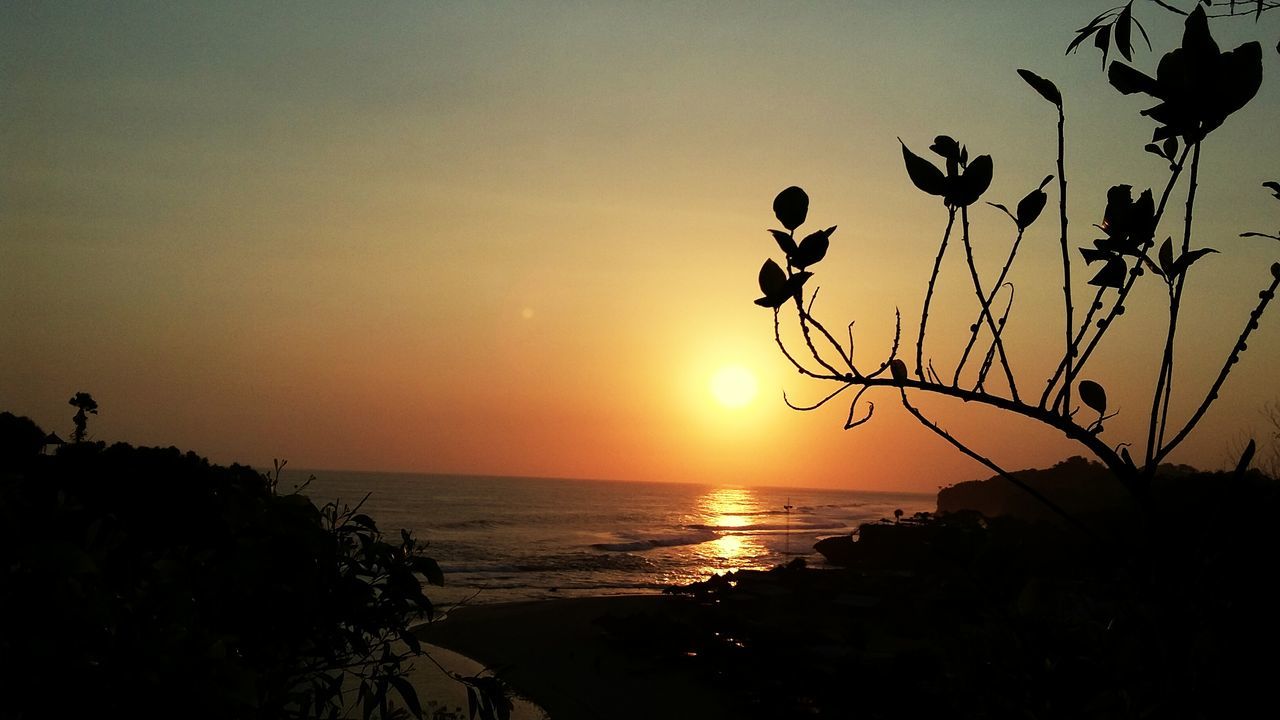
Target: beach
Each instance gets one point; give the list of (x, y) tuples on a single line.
[(566, 656)]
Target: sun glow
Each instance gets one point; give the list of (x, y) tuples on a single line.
[(734, 386)]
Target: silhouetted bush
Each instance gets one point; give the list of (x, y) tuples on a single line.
[(147, 582)]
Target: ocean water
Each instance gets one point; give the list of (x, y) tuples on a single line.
[(501, 539)]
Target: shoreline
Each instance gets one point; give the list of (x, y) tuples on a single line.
[(560, 654)]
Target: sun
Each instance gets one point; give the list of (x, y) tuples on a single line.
[(734, 386)]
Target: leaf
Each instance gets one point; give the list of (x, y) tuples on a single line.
[(1093, 255), (947, 148), (785, 242), (1154, 149), (777, 287), (969, 187), (813, 248), (1123, 30), (1102, 41), (1005, 210), (1129, 81), (430, 569), (1170, 147), (924, 175), (1184, 262), (1166, 256), (772, 279), (1029, 208), (1111, 275), (1046, 88), (1092, 394), (1081, 35), (791, 207), (407, 692), (1272, 185), (1275, 270)]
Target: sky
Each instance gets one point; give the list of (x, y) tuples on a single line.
[(521, 238)]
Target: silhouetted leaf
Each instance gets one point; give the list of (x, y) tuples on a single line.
[(1102, 41), (1166, 257), (785, 241), (947, 148), (1170, 148), (1123, 31), (1275, 270), (1092, 394), (1272, 185), (777, 287), (1129, 81), (967, 188), (924, 175), (1111, 275), (1047, 89), (772, 279), (1182, 263), (1154, 149), (1092, 255), (409, 695), (813, 248), (430, 569), (1029, 208), (791, 207), (1005, 210), (1083, 34), (1258, 234)]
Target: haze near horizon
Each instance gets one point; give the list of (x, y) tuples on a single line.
[(523, 238)]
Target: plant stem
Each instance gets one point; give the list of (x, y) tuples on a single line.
[(973, 334), (1069, 354), (928, 295), (986, 306), (1164, 380), (1265, 298)]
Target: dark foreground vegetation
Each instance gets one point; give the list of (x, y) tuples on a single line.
[(1168, 614), (145, 582)]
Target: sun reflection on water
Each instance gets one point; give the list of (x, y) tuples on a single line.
[(731, 512)]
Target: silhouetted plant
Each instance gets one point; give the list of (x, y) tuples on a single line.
[(158, 584), (83, 402), (1197, 87)]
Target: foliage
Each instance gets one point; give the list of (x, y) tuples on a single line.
[(1197, 87), (140, 582), (83, 402)]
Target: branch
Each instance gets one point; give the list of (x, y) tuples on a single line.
[(1069, 355), (928, 295), (1265, 297), (986, 306), (973, 329), (996, 468), (1164, 380)]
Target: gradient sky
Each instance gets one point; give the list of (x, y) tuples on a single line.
[(518, 238)]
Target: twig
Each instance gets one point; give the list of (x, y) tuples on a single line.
[(1057, 509), (986, 307), (928, 295), (973, 329), (1265, 297)]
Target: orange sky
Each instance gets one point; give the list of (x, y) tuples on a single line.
[(519, 238)]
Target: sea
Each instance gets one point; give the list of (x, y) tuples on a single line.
[(504, 539)]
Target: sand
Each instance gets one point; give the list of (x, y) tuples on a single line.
[(561, 656)]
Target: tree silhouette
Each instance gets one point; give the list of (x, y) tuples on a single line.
[(83, 402), (1197, 87)]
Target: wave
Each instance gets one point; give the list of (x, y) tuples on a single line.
[(572, 562), (795, 525), (468, 524), (700, 535)]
